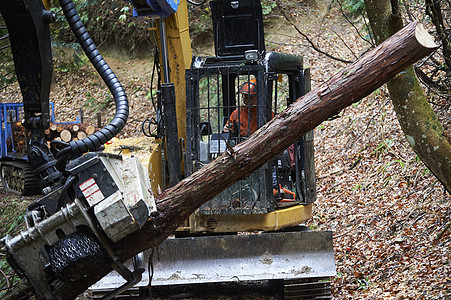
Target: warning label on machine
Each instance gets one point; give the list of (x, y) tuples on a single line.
[(91, 191)]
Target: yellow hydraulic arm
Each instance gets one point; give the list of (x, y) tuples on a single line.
[(46, 4), (176, 55)]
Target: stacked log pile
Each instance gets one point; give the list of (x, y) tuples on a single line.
[(69, 132), (18, 138), (60, 132)]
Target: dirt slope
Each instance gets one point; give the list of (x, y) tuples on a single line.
[(386, 209)]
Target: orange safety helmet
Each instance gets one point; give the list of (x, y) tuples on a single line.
[(249, 88)]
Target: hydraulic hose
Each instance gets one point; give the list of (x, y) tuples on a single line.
[(94, 141)]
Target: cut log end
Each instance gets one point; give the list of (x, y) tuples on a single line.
[(81, 135), (424, 38), (90, 130), (66, 136)]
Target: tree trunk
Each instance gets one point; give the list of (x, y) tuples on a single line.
[(346, 87), (418, 121)]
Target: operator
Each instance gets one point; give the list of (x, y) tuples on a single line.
[(246, 120), (246, 117)]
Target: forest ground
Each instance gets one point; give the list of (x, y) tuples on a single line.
[(388, 213)]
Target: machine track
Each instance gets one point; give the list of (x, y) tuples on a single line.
[(308, 288), (18, 178)]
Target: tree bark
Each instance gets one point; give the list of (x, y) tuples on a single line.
[(346, 87), (420, 125)]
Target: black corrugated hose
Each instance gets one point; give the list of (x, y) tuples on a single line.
[(94, 141)]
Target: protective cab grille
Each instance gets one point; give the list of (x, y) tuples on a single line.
[(218, 117)]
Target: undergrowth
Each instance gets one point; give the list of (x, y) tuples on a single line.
[(12, 212)]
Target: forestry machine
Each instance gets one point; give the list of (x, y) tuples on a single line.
[(251, 232)]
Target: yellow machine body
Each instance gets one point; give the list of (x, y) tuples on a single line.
[(180, 57)]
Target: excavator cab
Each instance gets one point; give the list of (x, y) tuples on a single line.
[(213, 86)]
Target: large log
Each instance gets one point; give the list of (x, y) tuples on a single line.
[(350, 85)]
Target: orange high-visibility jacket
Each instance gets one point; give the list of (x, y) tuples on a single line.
[(245, 118)]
